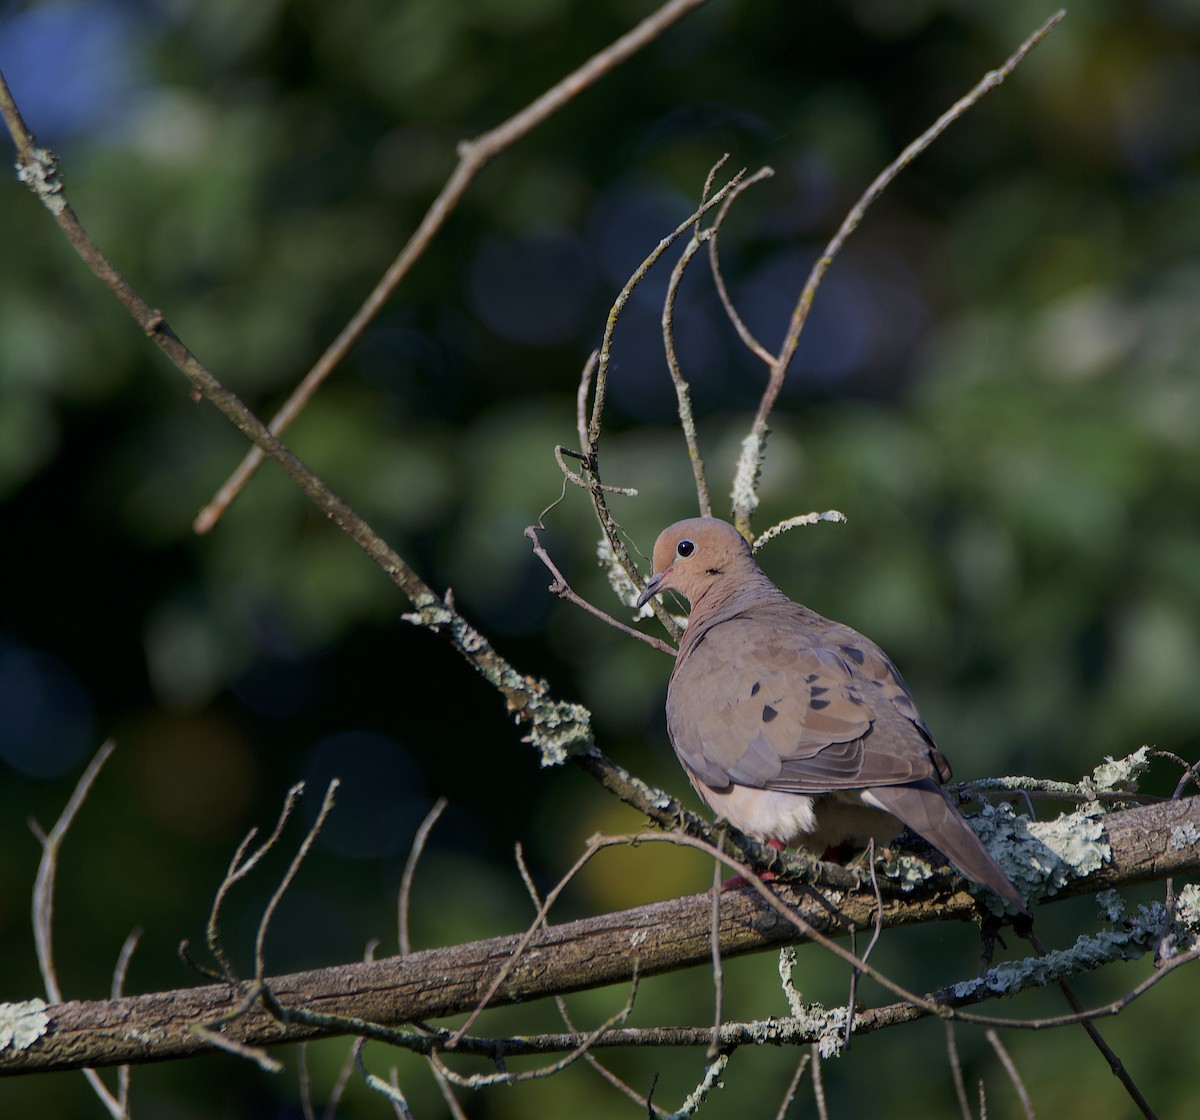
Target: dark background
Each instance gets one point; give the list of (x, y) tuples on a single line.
[(998, 387)]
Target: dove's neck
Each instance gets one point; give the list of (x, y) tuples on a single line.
[(723, 599)]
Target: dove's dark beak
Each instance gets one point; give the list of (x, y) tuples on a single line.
[(652, 588)]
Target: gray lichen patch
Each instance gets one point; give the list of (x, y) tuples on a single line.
[(1091, 951), (825, 1026), (1118, 774), (558, 729), (22, 1024), (1184, 836), (1043, 856)]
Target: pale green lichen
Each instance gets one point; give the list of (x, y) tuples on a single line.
[(1111, 906), (1187, 909), (906, 871), (22, 1024), (1118, 775), (712, 1080), (795, 522), (825, 1026), (1184, 836), (1041, 857), (1090, 951), (623, 587), (38, 170), (558, 729), (745, 477)]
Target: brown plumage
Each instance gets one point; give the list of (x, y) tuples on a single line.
[(791, 726)]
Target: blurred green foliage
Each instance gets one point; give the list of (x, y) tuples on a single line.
[(998, 386)]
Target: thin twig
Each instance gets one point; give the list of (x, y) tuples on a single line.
[(600, 390), (793, 1085), (238, 869), (818, 1082), (561, 1004), (563, 590), (480, 1081), (782, 361), (956, 1073), (683, 394), (718, 972), (748, 340), (410, 870), (260, 963), (503, 972), (390, 1091), (558, 729), (473, 156), (1010, 1067), (1093, 1032), (43, 908)]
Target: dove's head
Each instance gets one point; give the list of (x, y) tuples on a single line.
[(697, 555)]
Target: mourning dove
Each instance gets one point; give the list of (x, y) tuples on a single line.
[(791, 726)]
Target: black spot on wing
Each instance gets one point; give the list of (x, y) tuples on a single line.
[(854, 653), (754, 688), (817, 705), (768, 713)]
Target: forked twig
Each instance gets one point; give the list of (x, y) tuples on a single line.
[(238, 869), (43, 918), (756, 440), (260, 964)]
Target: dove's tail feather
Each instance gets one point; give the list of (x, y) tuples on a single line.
[(927, 809)]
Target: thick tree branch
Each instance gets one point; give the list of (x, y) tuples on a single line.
[(1148, 843)]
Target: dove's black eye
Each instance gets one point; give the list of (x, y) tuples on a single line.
[(685, 548)]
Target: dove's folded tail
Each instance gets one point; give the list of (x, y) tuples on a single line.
[(927, 809)]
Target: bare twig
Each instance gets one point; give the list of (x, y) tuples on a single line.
[(1010, 1067), (718, 972), (756, 441), (793, 1085), (479, 1081), (599, 386), (683, 395), (389, 1090), (749, 341), (561, 1004), (260, 963), (563, 590), (956, 1073), (502, 973), (557, 729), (43, 915), (1093, 1032), (473, 156), (818, 1082), (410, 870), (238, 869)]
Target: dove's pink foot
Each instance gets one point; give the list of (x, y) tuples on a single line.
[(766, 876)]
